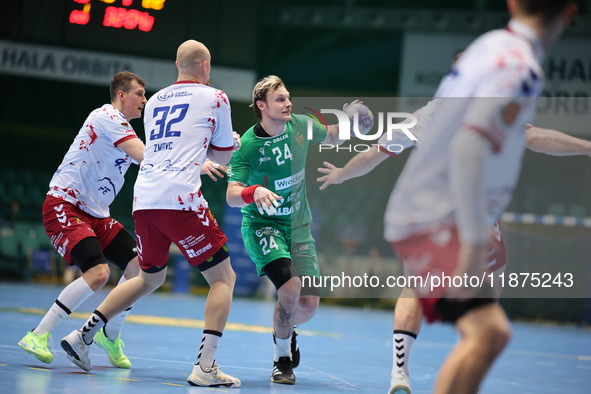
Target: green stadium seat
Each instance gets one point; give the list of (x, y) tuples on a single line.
[(9, 245), (556, 209), (7, 175), (577, 211), (26, 177)]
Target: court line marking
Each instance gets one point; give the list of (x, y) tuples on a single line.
[(176, 322), (331, 376)]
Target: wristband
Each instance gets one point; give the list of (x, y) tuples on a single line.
[(247, 194)]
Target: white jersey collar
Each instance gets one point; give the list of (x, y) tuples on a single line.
[(527, 32)]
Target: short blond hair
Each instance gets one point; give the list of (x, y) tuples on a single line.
[(262, 89)]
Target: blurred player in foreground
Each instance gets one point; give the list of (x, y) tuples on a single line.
[(480, 143), (408, 313), (185, 123)]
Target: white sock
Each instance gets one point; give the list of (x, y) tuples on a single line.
[(209, 346), (113, 329), (282, 348), (71, 297), (402, 346)]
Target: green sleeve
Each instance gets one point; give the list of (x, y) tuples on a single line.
[(238, 169), (319, 131)]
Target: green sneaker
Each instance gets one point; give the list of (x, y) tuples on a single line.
[(37, 346), (114, 349)]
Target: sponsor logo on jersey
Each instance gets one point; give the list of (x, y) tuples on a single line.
[(266, 231), (285, 183), (284, 211), (263, 159), (165, 96), (194, 253), (182, 94), (168, 165), (284, 136), (119, 163), (262, 150), (147, 167)]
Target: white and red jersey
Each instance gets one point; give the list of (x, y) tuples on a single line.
[(398, 141), (491, 91), (92, 172), (181, 122)]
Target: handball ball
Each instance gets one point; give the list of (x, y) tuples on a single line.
[(364, 117)]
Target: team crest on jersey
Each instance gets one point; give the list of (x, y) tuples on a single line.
[(300, 139), (165, 96)]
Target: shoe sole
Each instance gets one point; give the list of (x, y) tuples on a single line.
[(227, 385), (73, 357), (283, 381), (46, 360)]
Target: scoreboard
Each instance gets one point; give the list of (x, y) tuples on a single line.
[(129, 14), (149, 28)]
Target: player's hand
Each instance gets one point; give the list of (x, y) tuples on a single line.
[(237, 142), (472, 263), (213, 169), (266, 201), (346, 105), (332, 177)]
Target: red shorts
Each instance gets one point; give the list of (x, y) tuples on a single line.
[(436, 253), (196, 234), (66, 225)]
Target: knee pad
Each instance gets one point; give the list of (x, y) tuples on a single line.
[(87, 254), (280, 271)]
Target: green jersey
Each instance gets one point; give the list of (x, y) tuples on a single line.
[(278, 164)]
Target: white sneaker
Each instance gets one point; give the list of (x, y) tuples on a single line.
[(77, 351), (399, 384), (213, 378)]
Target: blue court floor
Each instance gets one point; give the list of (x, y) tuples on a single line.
[(343, 350)]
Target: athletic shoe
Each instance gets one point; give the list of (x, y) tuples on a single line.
[(283, 371), (399, 384), (114, 349), (37, 345), (295, 351), (214, 378), (77, 350)]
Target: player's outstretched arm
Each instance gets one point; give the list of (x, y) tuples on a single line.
[(133, 148), (239, 195), (359, 165), (333, 135), (555, 143)]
